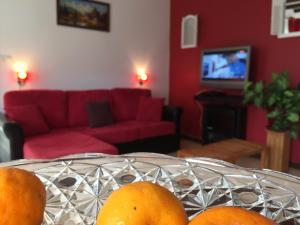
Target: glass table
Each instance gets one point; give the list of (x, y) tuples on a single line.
[(78, 185)]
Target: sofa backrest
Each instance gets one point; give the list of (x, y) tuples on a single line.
[(68, 108), (125, 102), (52, 104), (77, 101)]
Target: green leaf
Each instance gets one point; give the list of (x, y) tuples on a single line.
[(294, 134), (283, 84), (290, 107), (294, 131), (247, 86), (286, 101), (275, 76), (297, 92), (271, 100), (288, 93), (276, 127), (248, 97), (293, 117), (273, 114), (259, 87), (285, 74), (258, 102), (280, 81)]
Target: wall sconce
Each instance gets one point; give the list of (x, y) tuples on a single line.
[(22, 74), (142, 76)]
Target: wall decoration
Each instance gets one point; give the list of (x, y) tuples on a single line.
[(84, 14), (189, 31), (285, 21)]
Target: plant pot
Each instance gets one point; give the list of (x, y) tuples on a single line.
[(279, 144)]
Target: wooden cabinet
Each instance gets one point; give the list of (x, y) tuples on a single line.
[(223, 117)]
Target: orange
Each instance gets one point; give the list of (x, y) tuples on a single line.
[(22, 198), (142, 203), (230, 216)]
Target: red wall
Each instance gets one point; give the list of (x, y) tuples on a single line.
[(221, 24)]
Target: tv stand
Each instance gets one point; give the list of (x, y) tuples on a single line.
[(212, 93), (223, 117), (218, 98)]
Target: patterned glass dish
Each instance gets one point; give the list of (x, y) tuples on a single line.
[(78, 185)]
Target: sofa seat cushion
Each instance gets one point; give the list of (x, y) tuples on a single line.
[(152, 129), (64, 142), (128, 131), (113, 134)]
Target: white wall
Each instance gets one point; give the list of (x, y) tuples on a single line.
[(61, 57)]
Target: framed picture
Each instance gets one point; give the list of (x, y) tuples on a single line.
[(84, 14)]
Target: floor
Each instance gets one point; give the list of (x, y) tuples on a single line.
[(245, 162)]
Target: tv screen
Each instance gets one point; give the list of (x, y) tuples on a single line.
[(225, 68)]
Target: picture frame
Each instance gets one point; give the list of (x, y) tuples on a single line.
[(87, 14)]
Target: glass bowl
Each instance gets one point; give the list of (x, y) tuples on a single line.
[(78, 185)]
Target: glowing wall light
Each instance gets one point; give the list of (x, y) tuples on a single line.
[(142, 76), (21, 72)]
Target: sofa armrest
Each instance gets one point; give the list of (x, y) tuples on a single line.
[(11, 139), (173, 113)]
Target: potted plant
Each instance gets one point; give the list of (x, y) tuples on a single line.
[(282, 104)]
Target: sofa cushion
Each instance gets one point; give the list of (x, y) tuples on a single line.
[(99, 114), (128, 131), (51, 103), (152, 129), (150, 109), (125, 102), (30, 119), (113, 134), (64, 142), (77, 101)]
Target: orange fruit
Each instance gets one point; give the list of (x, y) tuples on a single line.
[(142, 203), (230, 216), (22, 198)]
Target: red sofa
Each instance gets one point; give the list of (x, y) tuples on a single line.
[(68, 131)]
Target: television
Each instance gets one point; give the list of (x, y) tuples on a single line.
[(226, 68)]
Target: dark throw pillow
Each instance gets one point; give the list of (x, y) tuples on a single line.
[(29, 117), (99, 114), (150, 109)]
